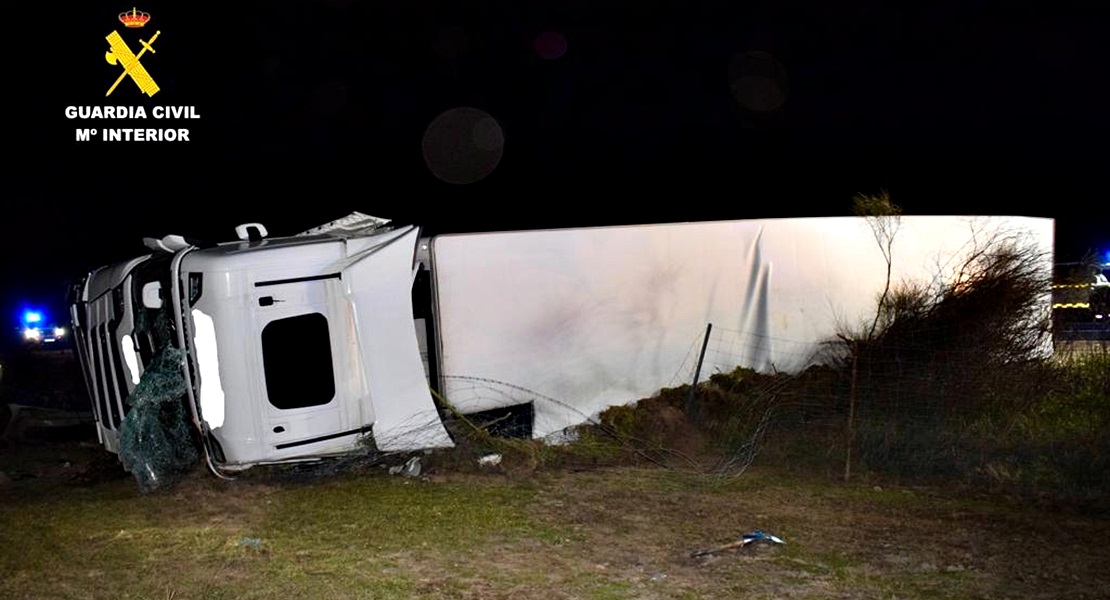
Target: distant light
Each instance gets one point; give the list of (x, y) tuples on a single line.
[(32, 316), (59, 332), (32, 334)]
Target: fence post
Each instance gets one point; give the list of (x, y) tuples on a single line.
[(691, 407), (851, 416)]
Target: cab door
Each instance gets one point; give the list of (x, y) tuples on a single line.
[(300, 341)]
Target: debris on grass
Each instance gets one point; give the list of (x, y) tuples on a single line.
[(755, 537)]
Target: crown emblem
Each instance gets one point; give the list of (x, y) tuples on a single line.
[(135, 18)]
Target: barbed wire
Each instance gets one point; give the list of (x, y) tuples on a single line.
[(900, 392)]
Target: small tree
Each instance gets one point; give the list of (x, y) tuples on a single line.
[(969, 342), (962, 341), (885, 219)]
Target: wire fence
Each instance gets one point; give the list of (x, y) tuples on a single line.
[(930, 401), (914, 409)]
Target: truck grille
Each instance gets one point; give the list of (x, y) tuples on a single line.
[(107, 376)]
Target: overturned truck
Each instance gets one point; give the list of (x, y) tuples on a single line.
[(269, 350)]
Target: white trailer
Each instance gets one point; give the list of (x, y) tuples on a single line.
[(311, 345)]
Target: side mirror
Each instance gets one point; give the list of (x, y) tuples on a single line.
[(152, 295)]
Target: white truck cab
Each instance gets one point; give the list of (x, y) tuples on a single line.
[(296, 347)]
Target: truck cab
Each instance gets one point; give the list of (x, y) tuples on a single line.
[(296, 347)]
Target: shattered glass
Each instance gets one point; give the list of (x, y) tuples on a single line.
[(156, 441)]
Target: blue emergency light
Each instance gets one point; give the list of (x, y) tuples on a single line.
[(31, 317)]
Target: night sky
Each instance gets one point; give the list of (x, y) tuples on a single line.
[(578, 114)]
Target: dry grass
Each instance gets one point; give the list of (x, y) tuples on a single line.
[(599, 533), (551, 523)]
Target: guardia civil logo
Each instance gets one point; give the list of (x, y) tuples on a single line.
[(132, 57), (121, 54)]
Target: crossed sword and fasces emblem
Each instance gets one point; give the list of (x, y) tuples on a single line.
[(121, 54)]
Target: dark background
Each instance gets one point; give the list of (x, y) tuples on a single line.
[(311, 110)]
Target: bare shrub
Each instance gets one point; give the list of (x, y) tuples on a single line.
[(961, 340)]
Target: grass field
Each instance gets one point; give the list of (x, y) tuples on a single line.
[(74, 526), (68, 531)]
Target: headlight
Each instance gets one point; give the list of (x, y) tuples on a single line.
[(59, 332), (32, 334)]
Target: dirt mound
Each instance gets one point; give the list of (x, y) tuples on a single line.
[(656, 423)]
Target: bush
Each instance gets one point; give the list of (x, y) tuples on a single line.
[(953, 344), (954, 381)]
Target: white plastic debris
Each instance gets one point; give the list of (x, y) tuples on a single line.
[(565, 436), (411, 468), (489, 460)]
